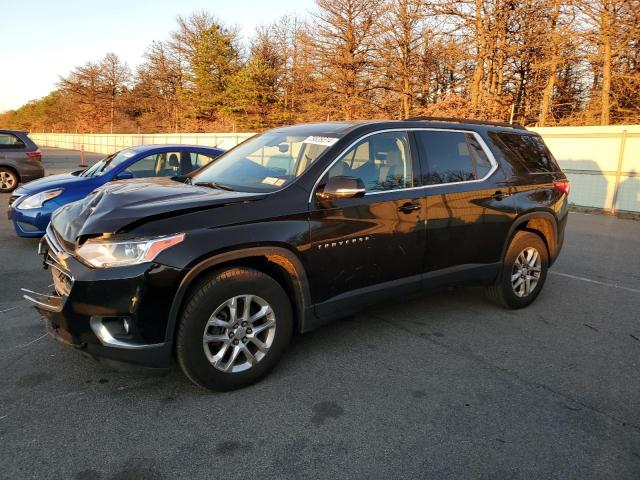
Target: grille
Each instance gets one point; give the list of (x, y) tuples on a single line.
[(62, 281)]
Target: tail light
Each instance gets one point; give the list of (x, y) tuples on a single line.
[(37, 155), (562, 186)]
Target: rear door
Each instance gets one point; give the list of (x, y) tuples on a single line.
[(370, 247), (468, 205), (166, 164)]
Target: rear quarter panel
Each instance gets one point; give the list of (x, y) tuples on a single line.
[(534, 192)]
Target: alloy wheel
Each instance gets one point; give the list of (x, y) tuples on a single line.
[(239, 333), (526, 272), (7, 180)]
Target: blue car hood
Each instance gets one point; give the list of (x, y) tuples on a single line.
[(61, 180), (111, 208)]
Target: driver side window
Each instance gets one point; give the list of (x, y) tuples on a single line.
[(382, 161)]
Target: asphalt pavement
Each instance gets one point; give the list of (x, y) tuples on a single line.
[(443, 386)]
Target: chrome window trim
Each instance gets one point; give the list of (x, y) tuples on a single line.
[(477, 136)]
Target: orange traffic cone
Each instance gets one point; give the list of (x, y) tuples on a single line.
[(83, 161)]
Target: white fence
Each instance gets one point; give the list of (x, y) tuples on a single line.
[(109, 143), (603, 163)]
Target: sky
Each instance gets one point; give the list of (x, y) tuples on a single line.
[(43, 39)]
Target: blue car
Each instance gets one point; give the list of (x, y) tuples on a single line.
[(31, 205)]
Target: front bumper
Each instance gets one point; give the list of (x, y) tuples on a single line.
[(32, 222), (88, 307)]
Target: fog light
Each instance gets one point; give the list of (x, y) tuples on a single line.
[(126, 326)]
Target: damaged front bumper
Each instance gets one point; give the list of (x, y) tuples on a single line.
[(118, 314)]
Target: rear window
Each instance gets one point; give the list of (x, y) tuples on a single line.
[(8, 140), (526, 153), (452, 157)]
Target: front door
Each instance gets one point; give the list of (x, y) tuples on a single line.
[(365, 248)]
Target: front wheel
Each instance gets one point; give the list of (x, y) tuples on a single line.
[(524, 272), (235, 327)]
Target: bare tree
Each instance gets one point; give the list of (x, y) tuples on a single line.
[(484, 22), (344, 41), (160, 86), (605, 21), (401, 43), (114, 77), (555, 37), (83, 84)]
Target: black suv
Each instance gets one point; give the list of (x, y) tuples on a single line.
[(296, 227)]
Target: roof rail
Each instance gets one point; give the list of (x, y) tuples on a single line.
[(465, 120)]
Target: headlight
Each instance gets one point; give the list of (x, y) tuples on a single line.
[(37, 200), (101, 253)]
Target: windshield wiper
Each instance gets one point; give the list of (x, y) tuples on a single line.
[(181, 179), (220, 186)]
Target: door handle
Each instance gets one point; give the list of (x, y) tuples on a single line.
[(409, 207), (500, 195)]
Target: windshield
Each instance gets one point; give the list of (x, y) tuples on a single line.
[(266, 162), (108, 163)]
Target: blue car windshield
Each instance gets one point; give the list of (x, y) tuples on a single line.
[(265, 163), (108, 163)]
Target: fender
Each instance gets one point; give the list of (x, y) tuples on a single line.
[(11, 166), (280, 256), (553, 250)]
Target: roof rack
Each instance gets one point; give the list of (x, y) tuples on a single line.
[(465, 120)]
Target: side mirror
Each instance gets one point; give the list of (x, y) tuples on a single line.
[(124, 175), (342, 187)]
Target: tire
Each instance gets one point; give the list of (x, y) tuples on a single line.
[(208, 311), (8, 180), (516, 295)]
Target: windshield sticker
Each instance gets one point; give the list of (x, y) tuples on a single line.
[(274, 181), (128, 154), (316, 140)]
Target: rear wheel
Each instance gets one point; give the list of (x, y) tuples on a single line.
[(524, 272), (235, 327), (8, 180)]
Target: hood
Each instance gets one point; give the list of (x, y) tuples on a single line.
[(116, 205), (61, 180)]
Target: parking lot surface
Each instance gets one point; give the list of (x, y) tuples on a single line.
[(442, 386)]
